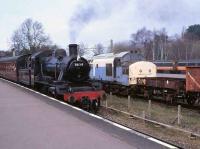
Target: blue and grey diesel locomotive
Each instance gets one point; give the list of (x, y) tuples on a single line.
[(119, 73)]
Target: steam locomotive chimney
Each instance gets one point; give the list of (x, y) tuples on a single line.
[(73, 49)]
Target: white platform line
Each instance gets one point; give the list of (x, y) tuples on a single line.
[(98, 117), (162, 143)]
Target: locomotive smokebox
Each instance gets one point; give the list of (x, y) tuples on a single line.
[(73, 49)]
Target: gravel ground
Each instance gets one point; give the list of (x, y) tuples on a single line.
[(159, 112)]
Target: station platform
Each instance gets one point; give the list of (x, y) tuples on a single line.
[(29, 120)]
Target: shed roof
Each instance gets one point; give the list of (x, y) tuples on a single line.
[(110, 55), (121, 54)]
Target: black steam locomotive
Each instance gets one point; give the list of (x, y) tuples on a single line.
[(61, 67), (55, 73), (53, 69)]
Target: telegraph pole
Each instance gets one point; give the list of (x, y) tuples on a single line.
[(13, 52), (153, 50), (29, 69), (111, 45)]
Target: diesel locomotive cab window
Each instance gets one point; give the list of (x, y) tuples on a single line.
[(108, 69), (125, 71), (117, 62)]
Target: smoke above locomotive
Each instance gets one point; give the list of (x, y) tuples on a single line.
[(88, 11), (56, 65)]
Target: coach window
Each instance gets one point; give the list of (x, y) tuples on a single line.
[(22, 64), (108, 69), (118, 63)]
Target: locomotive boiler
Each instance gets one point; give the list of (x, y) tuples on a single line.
[(57, 66)]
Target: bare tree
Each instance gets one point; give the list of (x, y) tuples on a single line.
[(141, 37), (82, 49), (29, 37), (123, 46), (157, 45), (99, 49), (142, 40), (160, 43)]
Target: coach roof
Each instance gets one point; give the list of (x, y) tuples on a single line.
[(9, 59)]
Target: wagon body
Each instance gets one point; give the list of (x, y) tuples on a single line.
[(193, 79)]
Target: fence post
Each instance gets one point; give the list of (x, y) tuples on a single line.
[(110, 95), (143, 114), (129, 101), (109, 98), (149, 108), (179, 114), (106, 102)]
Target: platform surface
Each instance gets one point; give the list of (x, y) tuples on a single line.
[(31, 121)]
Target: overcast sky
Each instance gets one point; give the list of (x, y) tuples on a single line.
[(94, 21)]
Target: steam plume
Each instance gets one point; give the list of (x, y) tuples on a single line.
[(90, 11)]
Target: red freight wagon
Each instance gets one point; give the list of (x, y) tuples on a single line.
[(173, 87)]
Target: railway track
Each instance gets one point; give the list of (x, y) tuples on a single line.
[(184, 105)]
